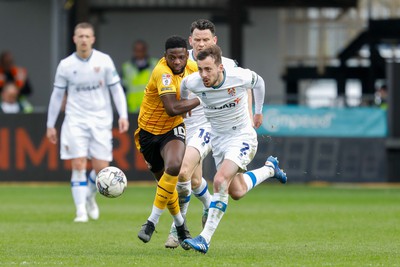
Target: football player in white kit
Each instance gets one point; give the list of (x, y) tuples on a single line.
[(198, 146), (87, 76), (190, 179), (223, 92)]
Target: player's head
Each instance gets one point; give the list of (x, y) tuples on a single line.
[(139, 50), (209, 62), (176, 54), (84, 38), (202, 35)]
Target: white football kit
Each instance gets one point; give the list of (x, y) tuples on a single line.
[(197, 126), (86, 129), (226, 108)]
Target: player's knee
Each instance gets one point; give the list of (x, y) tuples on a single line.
[(196, 182), (235, 195), (183, 175), (173, 169)]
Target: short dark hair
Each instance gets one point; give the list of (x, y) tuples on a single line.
[(175, 41), (202, 24), (213, 51), (84, 25)]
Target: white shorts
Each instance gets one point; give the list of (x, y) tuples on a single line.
[(85, 140), (200, 140), (240, 146)]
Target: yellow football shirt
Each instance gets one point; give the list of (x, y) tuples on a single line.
[(152, 116)]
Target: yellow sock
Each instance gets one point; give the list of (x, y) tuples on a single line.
[(165, 190), (173, 204)]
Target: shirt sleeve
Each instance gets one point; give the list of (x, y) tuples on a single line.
[(258, 86), (54, 106), (119, 98)]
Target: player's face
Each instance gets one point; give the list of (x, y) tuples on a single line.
[(84, 39), (201, 39), (177, 59), (210, 73)]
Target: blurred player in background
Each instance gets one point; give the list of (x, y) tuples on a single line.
[(160, 136), (88, 76), (223, 92), (202, 35)]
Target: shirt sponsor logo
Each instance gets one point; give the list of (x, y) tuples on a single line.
[(228, 105), (166, 79), (166, 89), (91, 87)]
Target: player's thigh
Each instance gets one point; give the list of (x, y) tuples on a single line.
[(239, 147), (74, 140), (190, 162), (100, 146)]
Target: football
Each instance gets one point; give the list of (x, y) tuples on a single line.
[(111, 182)]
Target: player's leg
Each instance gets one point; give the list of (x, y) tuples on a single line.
[(190, 162), (79, 188), (74, 143), (219, 203), (200, 190), (100, 151), (244, 182), (91, 204), (172, 151)]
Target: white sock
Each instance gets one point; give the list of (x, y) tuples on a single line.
[(203, 194), (184, 189), (79, 190), (178, 219), (92, 189), (257, 176), (155, 215), (219, 203)]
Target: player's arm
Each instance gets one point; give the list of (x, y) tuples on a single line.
[(175, 107), (119, 99), (55, 104), (259, 95), (250, 105)]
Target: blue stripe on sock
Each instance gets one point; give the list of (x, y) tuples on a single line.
[(202, 192), (252, 177), (79, 183), (91, 180), (187, 199), (218, 205)]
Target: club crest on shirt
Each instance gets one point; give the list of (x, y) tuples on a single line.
[(96, 69), (166, 79), (231, 91)]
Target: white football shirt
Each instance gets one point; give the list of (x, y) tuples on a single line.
[(87, 82), (198, 119), (225, 106)]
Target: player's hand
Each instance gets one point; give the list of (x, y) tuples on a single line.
[(123, 125), (257, 120), (52, 135)]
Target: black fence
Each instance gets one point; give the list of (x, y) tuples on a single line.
[(26, 155)]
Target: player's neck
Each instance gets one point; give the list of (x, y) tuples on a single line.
[(84, 54)]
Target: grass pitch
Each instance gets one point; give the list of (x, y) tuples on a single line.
[(274, 225)]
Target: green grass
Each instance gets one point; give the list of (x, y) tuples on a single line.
[(274, 225)]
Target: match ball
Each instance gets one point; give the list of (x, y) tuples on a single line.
[(111, 182)]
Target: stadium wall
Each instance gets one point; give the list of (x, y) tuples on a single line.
[(26, 155)]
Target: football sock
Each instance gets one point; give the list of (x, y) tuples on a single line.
[(155, 215), (257, 176), (219, 203), (184, 191), (165, 189), (92, 189), (203, 194), (173, 203), (79, 190)]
